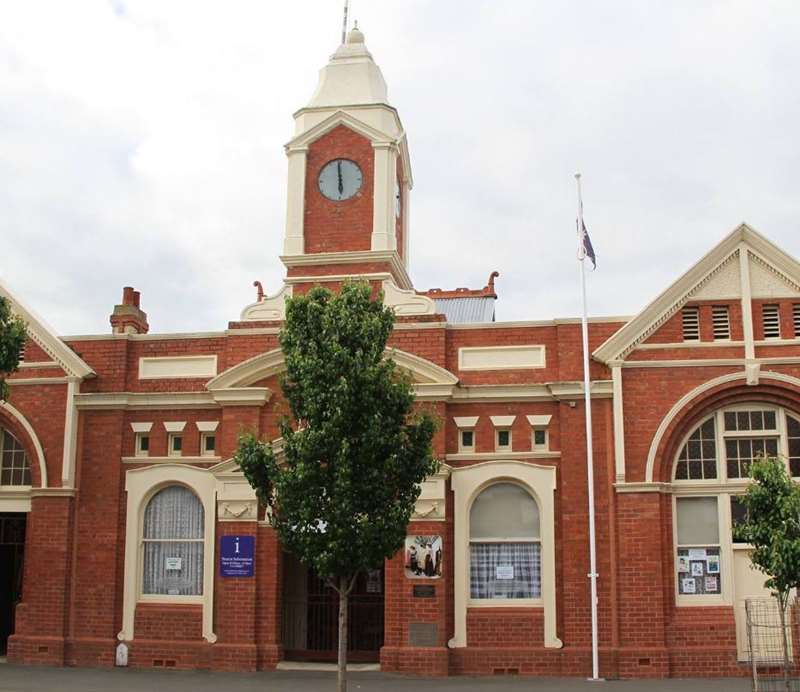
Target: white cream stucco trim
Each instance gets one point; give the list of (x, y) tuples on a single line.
[(141, 427), (406, 302), (351, 257), (37, 445), (15, 498), (207, 425), (694, 393), (174, 426), (518, 357), (140, 485), (70, 434), (269, 308), (539, 421), (619, 423), (502, 421), (272, 362), (177, 367), (466, 421), (467, 482), (517, 393)]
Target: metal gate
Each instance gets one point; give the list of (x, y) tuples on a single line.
[(772, 652), (310, 621), (12, 548)]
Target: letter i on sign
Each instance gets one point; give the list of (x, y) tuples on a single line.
[(237, 544)]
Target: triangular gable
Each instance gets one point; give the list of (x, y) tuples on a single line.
[(334, 120), (45, 337), (716, 276), (376, 136)]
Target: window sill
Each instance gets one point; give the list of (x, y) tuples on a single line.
[(505, 603), (175, 600), (700, 601)]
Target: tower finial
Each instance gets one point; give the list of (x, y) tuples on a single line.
[(344, 21)]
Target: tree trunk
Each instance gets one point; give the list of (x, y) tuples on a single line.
[(785, 639), (344, 597)]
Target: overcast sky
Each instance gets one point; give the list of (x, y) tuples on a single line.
[(141, 143)]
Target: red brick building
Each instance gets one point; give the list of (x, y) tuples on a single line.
[(120, 506)]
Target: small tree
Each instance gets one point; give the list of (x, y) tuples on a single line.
[(353, 453), (772, 527), (12, 341)]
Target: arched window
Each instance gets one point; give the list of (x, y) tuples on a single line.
[(711, 471), (172, 543), (505, 550), (14, 466), (724, 445)]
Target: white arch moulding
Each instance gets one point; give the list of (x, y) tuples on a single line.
[(693, 394), (271, 363), (37, 446)]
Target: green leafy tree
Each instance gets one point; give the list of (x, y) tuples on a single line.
[(772, 527), (354, 451), (12, 341)]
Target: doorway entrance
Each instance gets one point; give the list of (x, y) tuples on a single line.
[(12, 548), (311, 615)]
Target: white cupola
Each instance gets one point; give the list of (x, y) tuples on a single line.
[(351, 77)]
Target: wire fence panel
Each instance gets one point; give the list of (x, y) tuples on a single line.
[(772, 649)]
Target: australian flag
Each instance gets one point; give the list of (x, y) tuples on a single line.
[(586, 249)]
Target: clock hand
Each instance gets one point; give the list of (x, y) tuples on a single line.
[(341, 186)]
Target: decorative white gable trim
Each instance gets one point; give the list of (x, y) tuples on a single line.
[(207, 425), (141, 427), (271, 363), (333, 121), (45, 337), (269, 308), (406, 302), (712, 276), (766, 281), (174, 426)]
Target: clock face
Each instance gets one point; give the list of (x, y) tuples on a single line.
[(340, 179)]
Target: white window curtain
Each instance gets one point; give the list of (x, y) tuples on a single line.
[(505, 549), (173, 543)]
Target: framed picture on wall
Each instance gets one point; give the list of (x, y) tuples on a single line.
[(423, 557)]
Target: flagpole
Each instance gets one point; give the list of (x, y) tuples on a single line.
[(589, 451)]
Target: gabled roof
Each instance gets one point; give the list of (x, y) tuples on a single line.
[(45, 337), (695, 284)]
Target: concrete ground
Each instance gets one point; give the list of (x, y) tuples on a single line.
[(38, 679)]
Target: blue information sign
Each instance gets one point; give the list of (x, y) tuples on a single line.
[(236, 556)]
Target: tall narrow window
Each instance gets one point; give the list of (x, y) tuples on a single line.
[(691, 323), (14, 466), (772, 321), (698, 558), (721, 321), (172, 543), (175, 444), (505, 549), (793, 435), (796, 319)]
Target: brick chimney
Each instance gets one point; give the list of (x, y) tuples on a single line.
[(128, 318)]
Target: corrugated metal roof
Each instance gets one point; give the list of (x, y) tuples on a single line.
[(468, 309)]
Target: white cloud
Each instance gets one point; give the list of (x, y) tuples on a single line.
[(141, 143)]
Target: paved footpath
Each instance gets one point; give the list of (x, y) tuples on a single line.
[(38, 679)]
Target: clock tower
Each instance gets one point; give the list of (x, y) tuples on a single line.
[(349, 182)]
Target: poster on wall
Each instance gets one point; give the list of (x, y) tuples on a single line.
[(423, 557), (236, 556)]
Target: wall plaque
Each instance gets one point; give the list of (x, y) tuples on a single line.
[(423, 634), (424, 591)]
